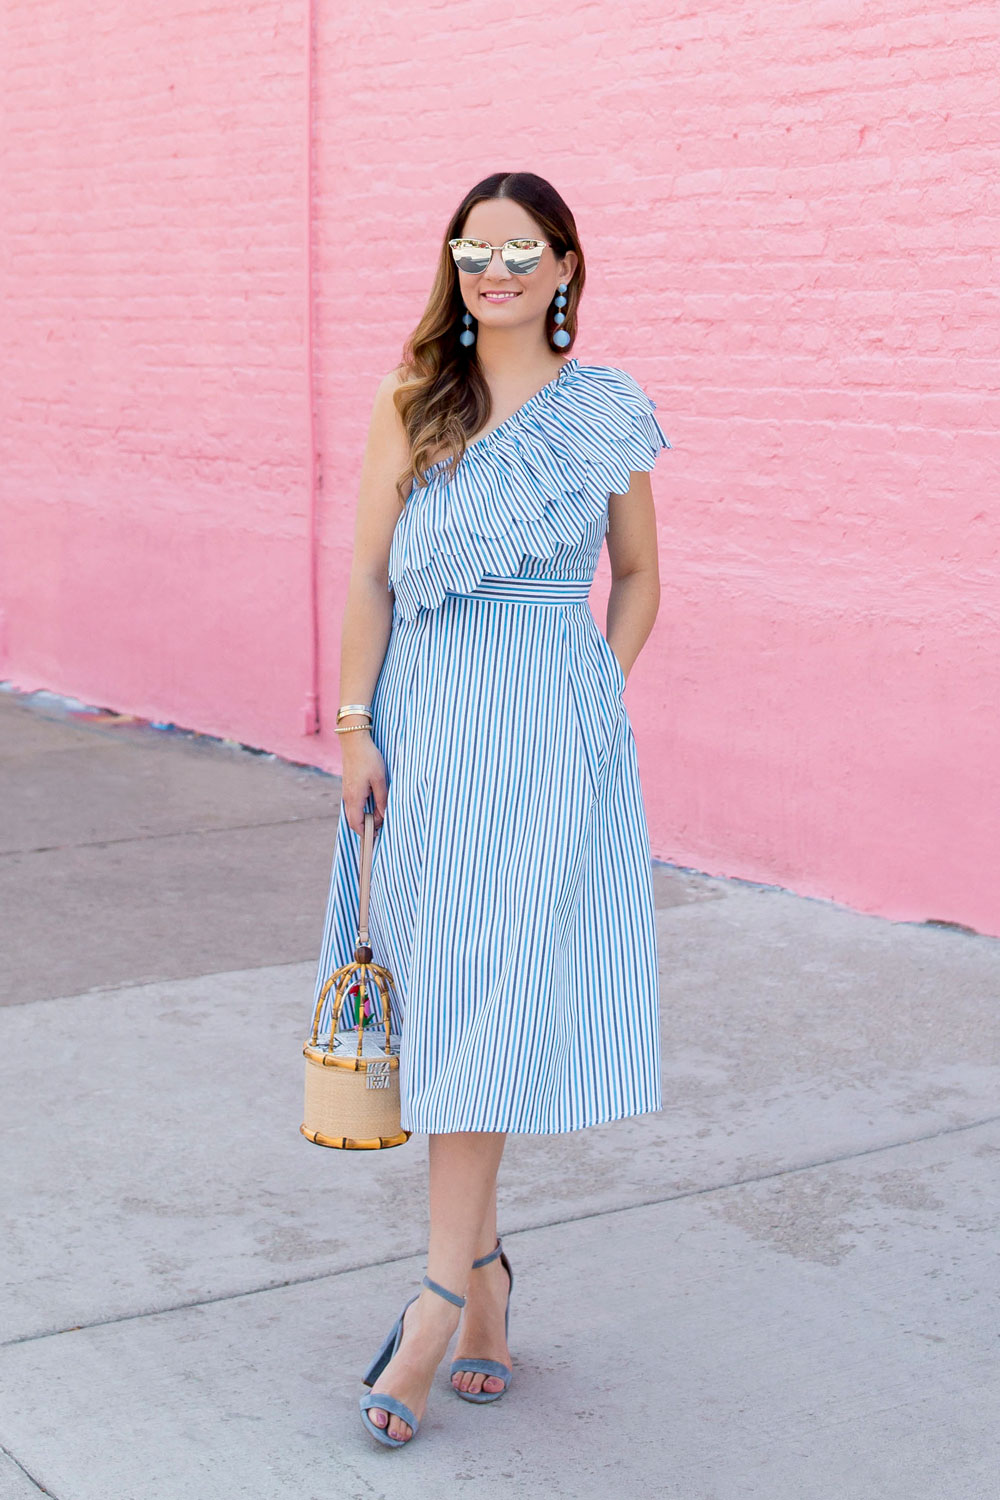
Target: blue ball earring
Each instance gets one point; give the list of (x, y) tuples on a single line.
[(561, 338), (467, 337)]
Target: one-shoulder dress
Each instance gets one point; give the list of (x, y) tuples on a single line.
[(511, 893)]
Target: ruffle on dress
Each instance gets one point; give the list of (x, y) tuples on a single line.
[(538, 481)]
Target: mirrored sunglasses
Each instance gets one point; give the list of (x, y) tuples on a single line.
[(521, 257)]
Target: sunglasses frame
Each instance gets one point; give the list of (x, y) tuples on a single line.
[(465, 239)]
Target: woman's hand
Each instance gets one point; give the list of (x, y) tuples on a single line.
[(363, 773)]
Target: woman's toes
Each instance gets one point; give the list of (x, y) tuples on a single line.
[(377, 1416), (472, 1382), (398, 1428)]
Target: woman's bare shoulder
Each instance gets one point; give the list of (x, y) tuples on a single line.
[(385, 413), (391, 382)]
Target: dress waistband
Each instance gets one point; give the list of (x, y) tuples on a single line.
[(528, 590)]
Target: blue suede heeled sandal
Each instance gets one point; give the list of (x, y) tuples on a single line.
[(487, 1366), (386, 1402)]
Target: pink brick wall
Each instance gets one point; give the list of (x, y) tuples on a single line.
[(790, 217)]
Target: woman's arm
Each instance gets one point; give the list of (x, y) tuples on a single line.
[(367, 619), (635, 570)]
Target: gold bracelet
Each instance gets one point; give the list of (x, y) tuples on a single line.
[(347, 728), (352, 708)]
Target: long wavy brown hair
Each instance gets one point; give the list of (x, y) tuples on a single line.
[(443, 397)]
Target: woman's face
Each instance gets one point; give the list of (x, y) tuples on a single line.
[(498, 298)]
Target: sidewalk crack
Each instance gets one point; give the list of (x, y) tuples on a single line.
[(27, 1473)]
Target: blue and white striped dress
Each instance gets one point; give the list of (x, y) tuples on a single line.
[(511, 893)]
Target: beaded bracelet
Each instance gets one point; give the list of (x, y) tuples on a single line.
[(347, 728)]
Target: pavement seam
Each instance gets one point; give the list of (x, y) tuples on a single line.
[(171, 833), (600, 1213), (27, 1472), (142, 984), (308, 963)]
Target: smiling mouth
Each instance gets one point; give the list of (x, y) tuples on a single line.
[(499, 296)]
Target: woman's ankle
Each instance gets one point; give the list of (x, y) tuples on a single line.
[(435, 1315)]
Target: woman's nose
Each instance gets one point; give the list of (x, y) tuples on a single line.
[(497, 255)]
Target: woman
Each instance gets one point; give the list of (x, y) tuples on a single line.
[(511, 893)]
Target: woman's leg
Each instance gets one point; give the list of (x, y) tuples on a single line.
[(463, 1171), (483, 1333)]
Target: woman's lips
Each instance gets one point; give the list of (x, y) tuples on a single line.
[(499, 296)]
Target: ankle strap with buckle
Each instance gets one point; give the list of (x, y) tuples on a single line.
[(443, 1291)]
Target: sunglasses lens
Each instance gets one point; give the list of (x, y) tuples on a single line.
[(521, 257), (471, 256)]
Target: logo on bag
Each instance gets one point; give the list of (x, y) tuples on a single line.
[(379, 1073)]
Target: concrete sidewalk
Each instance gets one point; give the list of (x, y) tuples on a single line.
[(784, 1285)]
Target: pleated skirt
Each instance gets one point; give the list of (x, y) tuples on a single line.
[(511, 892)]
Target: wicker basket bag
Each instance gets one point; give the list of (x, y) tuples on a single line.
[(352, 1080)]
